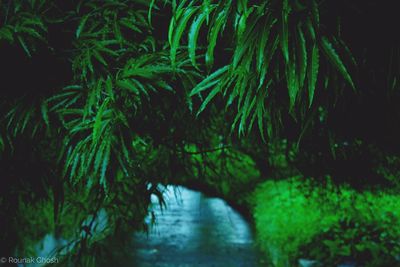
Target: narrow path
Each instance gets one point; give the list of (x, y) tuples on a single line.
[(196, 230)]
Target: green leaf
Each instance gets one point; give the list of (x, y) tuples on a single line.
[(30, 32), (178, 31), (6, 33), (193, 35), (292, 83), (83, 167), (109, 87), (27, 118), (117, 30), (260, 118), (285, 31), (302, 58), (74, 166), (208, 82), (127, 84), (128, 24), (150, 11), (245, 110), (270, 52), (88, 61), (212, 38), (98, 120), (312, 74), (140, 86), (164, 85), (45, 113), (81, 26), (24, 46), (315, 12), (242, 24), (99, 57), (310, 29), (263, 42), (104, 164), (210, 96), (99, 155), (335, 60)]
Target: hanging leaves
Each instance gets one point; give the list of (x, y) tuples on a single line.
[(177, 30), (81, 26), (312, 73), (194, 33), (256, 31), (335, 59)]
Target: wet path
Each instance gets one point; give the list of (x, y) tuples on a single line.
[(196, 230)]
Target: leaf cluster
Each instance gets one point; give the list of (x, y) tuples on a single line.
[(275, 45)]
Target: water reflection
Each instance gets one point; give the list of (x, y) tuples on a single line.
[(196, 230), (49, 245)]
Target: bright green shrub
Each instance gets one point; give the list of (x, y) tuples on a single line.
[(288, 214), (296, 218), (368, 232)]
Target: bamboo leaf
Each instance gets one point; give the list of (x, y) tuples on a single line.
[(164, 85), (74, 166), (141, 87), (6, 33), (117, 30), (81, 26), (127, 84), (335, 60), (24, 46), (242, 24), (310, 29), (98, 120), (178, 31), (302, 58), (285, 31), (270, 52), (99, 156), (315, 12), (150, 11), (109, 87), (292, 83), (312, 74), (212, 38), (128, 24), (209, 97), (193, 35), (260, 119), (45, 113), (27, 118), (208, 82), (245, 110), (263, 42), (88, 61), (104, 164), (99, 57)]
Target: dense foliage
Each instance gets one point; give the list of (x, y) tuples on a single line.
[(297, 218), (104, 102)]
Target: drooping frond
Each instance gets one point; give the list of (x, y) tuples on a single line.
[(275, 45), (24, 22)]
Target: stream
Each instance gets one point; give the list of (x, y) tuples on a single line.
[(196, 230), (193, 230)]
